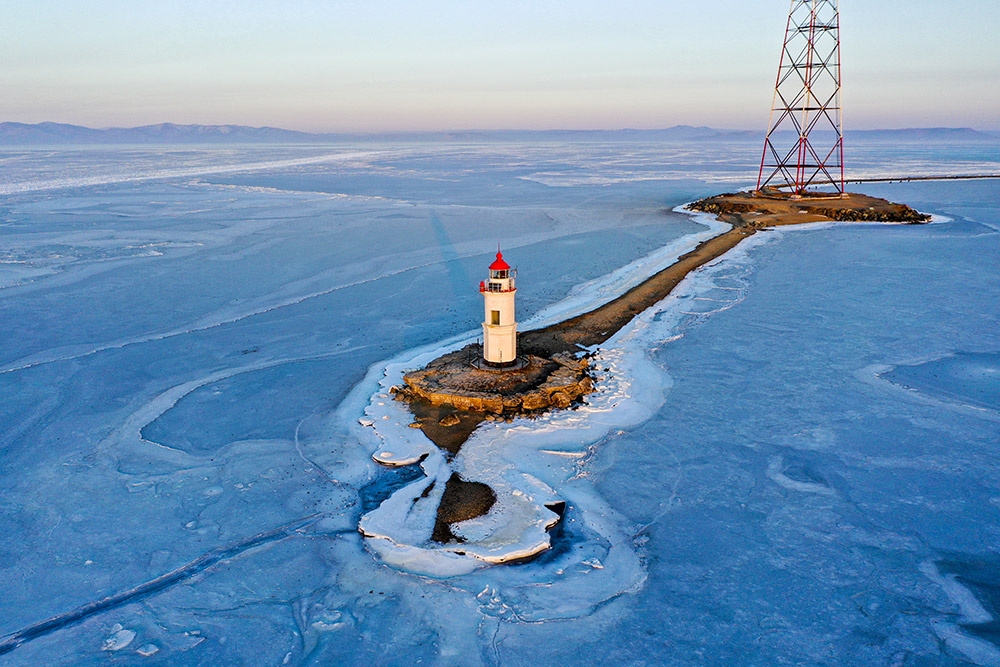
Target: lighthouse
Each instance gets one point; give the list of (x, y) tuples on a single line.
[(499, 326)]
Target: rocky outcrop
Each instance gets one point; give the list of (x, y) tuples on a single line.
[(451, 396), (902, 214), (538, 384), (771, 207)]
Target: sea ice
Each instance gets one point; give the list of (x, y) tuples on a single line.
[(186, 359), (118, 639)]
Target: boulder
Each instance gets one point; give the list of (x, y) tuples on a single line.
[(560, 399), (450, 420)]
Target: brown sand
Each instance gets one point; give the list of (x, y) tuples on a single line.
[(601, 323), (747, 213)]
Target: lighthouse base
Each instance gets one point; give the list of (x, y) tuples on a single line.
[(533, 385), (484, 365)]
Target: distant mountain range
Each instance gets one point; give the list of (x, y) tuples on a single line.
[(23, 134), (927, 134), (52, 134)]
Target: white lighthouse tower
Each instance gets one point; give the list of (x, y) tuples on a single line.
[(499, 327)]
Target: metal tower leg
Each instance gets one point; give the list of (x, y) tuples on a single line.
[(804, 146)]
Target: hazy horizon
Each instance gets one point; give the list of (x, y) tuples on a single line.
[(450, 66), (498, 130)]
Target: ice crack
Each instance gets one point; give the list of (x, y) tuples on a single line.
[(183, 573)]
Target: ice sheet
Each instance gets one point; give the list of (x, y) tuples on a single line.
[(758, 496), (517, 525)]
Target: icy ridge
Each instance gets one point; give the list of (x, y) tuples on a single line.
[(393, 527), (26, 186), (531, 463)]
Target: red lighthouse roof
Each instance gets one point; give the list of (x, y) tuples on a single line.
[(499, 264)]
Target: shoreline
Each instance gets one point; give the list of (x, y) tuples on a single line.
[(448, 428)]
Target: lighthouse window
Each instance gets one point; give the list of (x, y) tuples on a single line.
[(495, 317)]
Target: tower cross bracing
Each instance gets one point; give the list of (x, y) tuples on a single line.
[(804, 146)]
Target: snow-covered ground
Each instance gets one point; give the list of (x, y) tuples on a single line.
[(792, 460)]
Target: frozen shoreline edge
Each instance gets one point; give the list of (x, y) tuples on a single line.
[(387, 421)]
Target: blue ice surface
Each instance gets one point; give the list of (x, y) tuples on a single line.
[(178, 330), (968, 378)]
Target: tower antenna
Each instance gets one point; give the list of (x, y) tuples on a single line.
[(804, 145)]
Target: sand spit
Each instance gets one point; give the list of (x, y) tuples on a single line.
[(451, 396)]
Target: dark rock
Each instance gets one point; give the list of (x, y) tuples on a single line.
[(450, 420), (461, 501)]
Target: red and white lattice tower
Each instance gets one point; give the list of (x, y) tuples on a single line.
[(804, 146)]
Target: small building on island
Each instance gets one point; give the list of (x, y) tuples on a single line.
[(499, 325), (494, 381)]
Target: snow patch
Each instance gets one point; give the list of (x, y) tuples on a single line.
[(147, 650), (118, 639)]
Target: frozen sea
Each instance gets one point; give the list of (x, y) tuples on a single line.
[(794, 459)]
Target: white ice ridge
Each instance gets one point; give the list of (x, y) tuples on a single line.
[(876, 376), (575, 178), (367, 271), (589, 295), (775, 473), (20, 187), (411, 511), (531, 463), (971, 612), (524, 462)]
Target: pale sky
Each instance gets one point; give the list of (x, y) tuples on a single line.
[(375, 65)]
